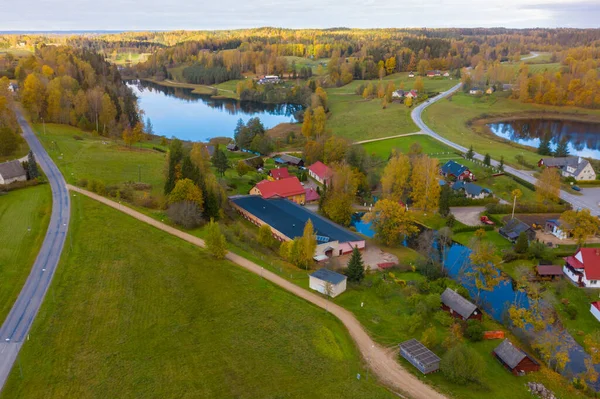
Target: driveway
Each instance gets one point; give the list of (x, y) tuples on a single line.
[(590, 198), (468, 215)]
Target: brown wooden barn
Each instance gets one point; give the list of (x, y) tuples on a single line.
[(514, 359), (458, 306)]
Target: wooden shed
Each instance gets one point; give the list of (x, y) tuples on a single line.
[(419, 356), (458, 306), (514, 359)]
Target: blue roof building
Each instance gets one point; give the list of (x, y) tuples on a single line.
[(456, 170)]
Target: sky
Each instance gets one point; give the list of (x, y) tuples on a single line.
[(46, 15)]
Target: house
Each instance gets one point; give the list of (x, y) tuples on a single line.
[(232, 147), (278, 174), (476, 91), (12, 171), (210, 149), (289, 188), (507, 87), (549, 272), (411, 74), (576, 167), (311, 195), (411, 94), (490, 90), (419, 356), (457, 171), (398, 94), (458, 306), (285, 159), (255, 162), (272, 79), (446, 74), (12, 87), (430, 74), (595, 309), (320, 172), (514, 359), (287, 220), (327, 282), (552, 226), (583, 268), (472, 190), (514, 227)]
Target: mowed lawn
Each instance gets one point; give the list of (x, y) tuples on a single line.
[(135, 312), (100, 158), (24, 217), (429, 145)]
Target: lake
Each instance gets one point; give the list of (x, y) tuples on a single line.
[(583, 137), (177, 112)]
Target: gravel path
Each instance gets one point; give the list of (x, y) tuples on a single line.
[(382, 361)]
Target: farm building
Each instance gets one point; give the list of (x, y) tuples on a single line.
[(285, 159), (327, 282), (419, 356), (287, 221), (272, 79), (411, 94), (552, 226), (595, 309), (289, 188), (471, 190), (278, 174), (457, 171), (514, 227), (232, 147), (411, 74), (255, 162), (12, 171), (476, 91), (458, 306), (548, 272), (514, 359), (583, 268), (398, 94), (320, 172), (576, 167)]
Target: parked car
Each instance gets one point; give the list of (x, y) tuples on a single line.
[(485, 220), (576, 188)]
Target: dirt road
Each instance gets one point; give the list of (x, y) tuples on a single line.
[(381, 361)]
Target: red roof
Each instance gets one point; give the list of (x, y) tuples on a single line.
[(321, 170), (282, 188), (590, 264), (596, 305), (312, 195), (549, 270), (280, 173)]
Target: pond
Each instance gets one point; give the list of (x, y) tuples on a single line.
[(177, 112), (495, 302), (583, 137)]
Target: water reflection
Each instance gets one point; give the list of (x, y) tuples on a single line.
[(180, 113), (583, 137)]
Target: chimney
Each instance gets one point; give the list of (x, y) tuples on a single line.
[(597, 251)]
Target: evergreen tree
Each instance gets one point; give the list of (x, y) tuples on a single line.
[(445, 200), (175, 156), (544, 147), (522, 243), (149, 127), (470, 154), (562, 149), (487, 160), (501, 166), (32, 169), (189, 170), (220, 161), (356, 268)]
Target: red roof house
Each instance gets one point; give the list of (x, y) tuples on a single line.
[(595, 309), (311, 195), (289, 188), (320, 172), (583, 268), (279, 173)]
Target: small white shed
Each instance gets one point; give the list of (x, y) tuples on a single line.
[(595, 309), (11, 172), (327, 282)]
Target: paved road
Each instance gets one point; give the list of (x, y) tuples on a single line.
[(16, 326), (578, 202), (382, 361)]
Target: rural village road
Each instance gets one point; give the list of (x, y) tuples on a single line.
[(578, 202), (18, 322), (382, 361)]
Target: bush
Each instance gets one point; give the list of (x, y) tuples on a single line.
[(77, 137), (96, 186), (82, 182), (185, 213), (571, 311), (462, 365), (450, 220), (467, 229), (159, 149), (146, 201), (474, 330)]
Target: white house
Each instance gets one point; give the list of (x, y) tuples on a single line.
[(553, 227), (320, 172), (327, 282), (11, 172), (583, 268), (595, 309), (576, 167), (475, 91)]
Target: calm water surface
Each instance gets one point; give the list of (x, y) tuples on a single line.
[(583, 137), (177, 112)]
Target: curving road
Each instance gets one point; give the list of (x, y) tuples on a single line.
[(578, 202), (18, 322)]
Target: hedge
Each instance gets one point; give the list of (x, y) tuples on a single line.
[(524, 208), (464, 201), (159, 149), (494, 219), (468, 229)]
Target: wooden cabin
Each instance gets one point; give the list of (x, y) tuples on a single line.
[(514, 359)]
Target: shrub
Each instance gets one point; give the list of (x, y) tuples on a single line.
[(522, 244), (82, 182), (450, 220), (467, 229), (185, 213), (443, 318), (571, 311), (77, 137), (462, 364), (147, 201), (474, 330), (159, 149)]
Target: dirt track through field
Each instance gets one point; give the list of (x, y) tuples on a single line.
[(380, 360)]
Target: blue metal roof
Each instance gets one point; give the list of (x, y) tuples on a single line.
[(329, 276), (453, 168), (289, 218)]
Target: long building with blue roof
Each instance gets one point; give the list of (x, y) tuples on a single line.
[(287, 221)]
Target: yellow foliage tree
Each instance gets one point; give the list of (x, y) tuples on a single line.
[(581, 224), (408, 101), (186, 190), (307, 124), (419, 86), (394, 180), (319, 120), (391, 221), (547, 187), (425, 184)]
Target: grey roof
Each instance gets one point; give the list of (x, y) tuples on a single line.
[(561, 161), (255, 162), (12, 169), (510, 354), (580, 167), (419, 352), (457, 303), (290, 159), (329, 276), (231, 146), (514, 227)]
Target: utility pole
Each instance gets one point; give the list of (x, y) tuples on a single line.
[(139, 173), (514, 205)]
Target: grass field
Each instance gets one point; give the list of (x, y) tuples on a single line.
[(449, 118), (100, 158), (130, 58), (24, 217), (309, 63), (183, 325), (430, 146)]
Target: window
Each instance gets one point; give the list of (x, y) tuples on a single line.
[(594, 282)]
